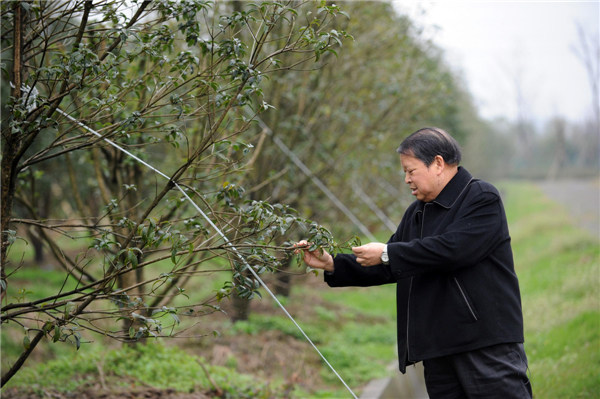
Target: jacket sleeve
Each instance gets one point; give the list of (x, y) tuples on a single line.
[(349, 273), (472, 236)]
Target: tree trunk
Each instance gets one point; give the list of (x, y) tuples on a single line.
[(72, 179), (560, 154), (283, 286), (241, 306), (12, 143), (38, 246)]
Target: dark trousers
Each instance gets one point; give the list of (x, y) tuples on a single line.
[(498, 371)]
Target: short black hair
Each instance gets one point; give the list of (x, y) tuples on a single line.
[(426, 143)]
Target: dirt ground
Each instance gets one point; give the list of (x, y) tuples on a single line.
[(147, 393), (267, 355)]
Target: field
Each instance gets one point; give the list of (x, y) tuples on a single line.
[(557, 264), (558, 268)]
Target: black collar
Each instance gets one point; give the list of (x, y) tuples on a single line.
[(455, 187)]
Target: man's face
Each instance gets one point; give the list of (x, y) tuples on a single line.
[(423, 181)]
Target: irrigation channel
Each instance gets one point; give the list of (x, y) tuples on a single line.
[(398, 386)]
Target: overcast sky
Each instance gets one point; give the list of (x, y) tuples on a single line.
[(492, 43)]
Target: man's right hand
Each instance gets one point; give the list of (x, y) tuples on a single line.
[(315, 259)]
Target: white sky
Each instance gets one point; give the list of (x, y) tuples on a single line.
[(490, 42)]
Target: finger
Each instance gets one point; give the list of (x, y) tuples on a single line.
[(357, 250), (303, 244)]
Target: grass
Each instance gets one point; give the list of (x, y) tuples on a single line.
[(357, 342), (154, 364), (558, 268), (372, 300)]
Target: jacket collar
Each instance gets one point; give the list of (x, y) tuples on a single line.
[(455, 187)]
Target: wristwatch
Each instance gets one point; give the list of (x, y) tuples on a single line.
[(385, 259)]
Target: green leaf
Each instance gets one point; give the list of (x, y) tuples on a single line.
[(47, 327), (56, 336), (69, 307), (182, 292), (138, 335), (217, 334), (131, 257), (131, 332), (26, 342)]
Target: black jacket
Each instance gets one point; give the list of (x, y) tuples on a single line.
[(452, 261)]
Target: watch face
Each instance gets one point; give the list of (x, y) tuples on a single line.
[(384, 257)]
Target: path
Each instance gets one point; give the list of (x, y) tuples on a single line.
[(580, 197)]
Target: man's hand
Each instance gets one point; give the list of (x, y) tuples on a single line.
[(315, 259), (369, 254)]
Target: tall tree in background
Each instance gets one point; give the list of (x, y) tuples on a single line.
[(588, 53)]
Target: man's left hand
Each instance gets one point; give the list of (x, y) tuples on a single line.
[(369, 254)]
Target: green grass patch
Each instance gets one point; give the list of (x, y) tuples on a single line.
[(565, 360), (559, 274), (358, 351), (31, 283), (154, 364), (375, 301), (258, 323)]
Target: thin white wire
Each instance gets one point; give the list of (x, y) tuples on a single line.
[(221, 234), (317, 181), (361, 194), (376, 210)]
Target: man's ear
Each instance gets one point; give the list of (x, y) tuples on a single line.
[(439, 164)]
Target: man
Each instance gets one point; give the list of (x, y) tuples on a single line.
[(458, 299)]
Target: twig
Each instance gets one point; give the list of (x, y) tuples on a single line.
[(212, 382), (100, 367)]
